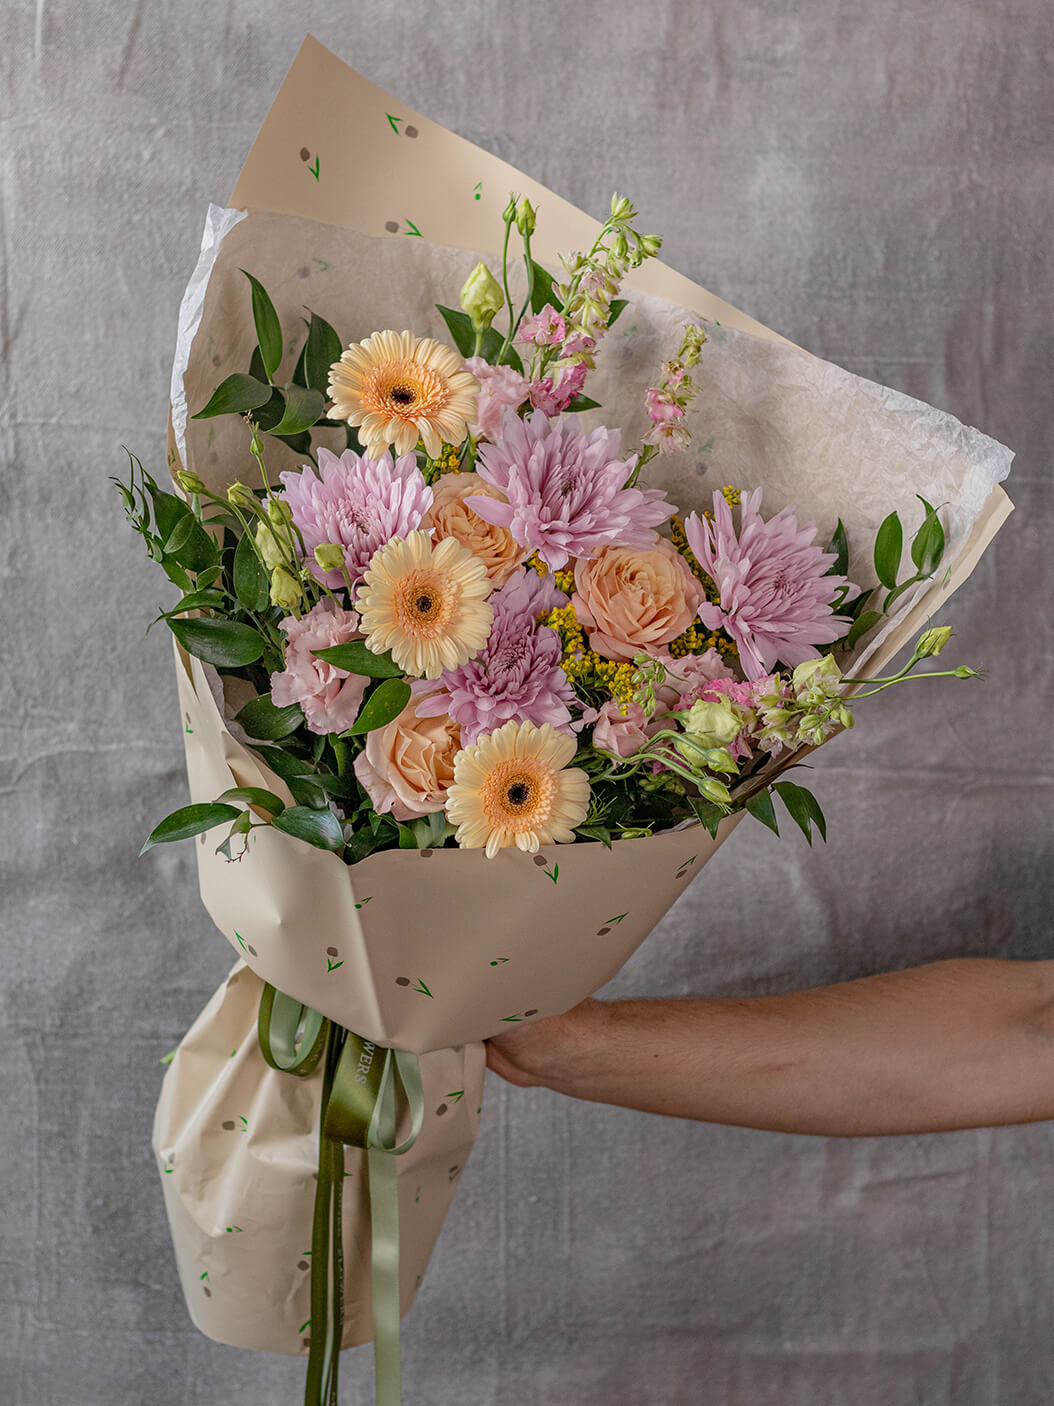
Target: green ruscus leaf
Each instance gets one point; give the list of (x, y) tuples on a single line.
[(235, 396), (804, 808), (889, 544), (322, 348), (224, 643), (386, 702), (357, 659), (189, 821), (761, 808), (320, 828), (250, 579), (260, 718), (268, 328)]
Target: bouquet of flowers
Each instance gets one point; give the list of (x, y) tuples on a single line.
[(474, 680)]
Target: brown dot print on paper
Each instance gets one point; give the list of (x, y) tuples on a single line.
[(441, 1110), (410, 131), (302, 1264), (208, 1291), (251, 950), (228, 1125), (540, 860), (303, 271), (392, 226), (402, 981), (534, 1012), (426, 853), (332, 952), (305, 155)]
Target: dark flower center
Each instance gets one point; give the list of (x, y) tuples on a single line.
[(402, 395), (424, 604), (519, 793)]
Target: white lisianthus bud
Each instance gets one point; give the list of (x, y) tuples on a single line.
[(711, 724), (932, 641), (481, 296), (286, 590), (329, 556), (715, 790)]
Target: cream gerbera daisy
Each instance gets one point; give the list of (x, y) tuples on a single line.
[(514, 787), (427, 604), (398, 388)]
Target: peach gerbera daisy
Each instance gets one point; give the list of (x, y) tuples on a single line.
[(427, 604), (398, 388), (514, 787)]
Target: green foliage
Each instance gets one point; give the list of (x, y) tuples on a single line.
[(803, 807), (249, 577), (542, 291), (321, 349), (188, 821), (761, 808), (268, 328), (255, 796), (383, 704), (225, 643), (236, 395), (356, 658), (260, 718), (320, 828), (889, 545)]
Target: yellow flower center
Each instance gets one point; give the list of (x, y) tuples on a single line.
[(518, 794), (403, 390), (424, 602)]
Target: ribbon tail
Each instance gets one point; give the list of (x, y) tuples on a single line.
[(384, 1225)]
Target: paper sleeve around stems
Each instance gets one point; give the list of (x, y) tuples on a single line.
[(420, 949), (236, 1144)]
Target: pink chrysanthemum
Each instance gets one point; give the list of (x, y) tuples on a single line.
[(355, 503), (516, 677), (565, 490), (775, 598)]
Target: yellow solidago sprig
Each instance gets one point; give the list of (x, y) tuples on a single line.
[(589, 672)]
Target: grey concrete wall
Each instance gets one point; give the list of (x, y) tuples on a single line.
[(873, 180)]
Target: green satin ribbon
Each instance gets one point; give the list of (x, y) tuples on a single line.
[(364, 1089)]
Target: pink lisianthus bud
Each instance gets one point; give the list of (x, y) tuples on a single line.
[(545, 329)]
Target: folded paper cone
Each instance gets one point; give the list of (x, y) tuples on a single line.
[(420, 949), (236, 1144)]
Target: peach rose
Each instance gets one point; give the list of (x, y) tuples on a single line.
[(451, 518), (407, 766), (631, 598)]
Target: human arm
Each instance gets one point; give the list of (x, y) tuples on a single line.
[(955, 1044)]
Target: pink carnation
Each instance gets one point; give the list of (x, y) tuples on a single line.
[(329, 697), (517, 676), (358, 504), (775, 595), (547, 328), (565, 490), (622, 733), (499, 386)]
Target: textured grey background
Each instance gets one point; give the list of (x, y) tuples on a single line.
[(873, 180)]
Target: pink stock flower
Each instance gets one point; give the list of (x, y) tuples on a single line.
[(517, 676), (577, 343), (669, 436), (356, 503), (553, 397), (500, 386), (545, 329), (565, 490), (661, 406), (775, 598), (329, 697), (687, 677)]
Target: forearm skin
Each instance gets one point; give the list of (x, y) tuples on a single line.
[(956, 1044)]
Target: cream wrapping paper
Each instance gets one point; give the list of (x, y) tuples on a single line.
[(236, 1144), (420, 949)]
